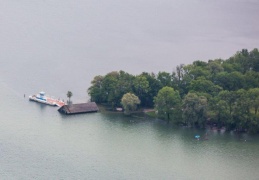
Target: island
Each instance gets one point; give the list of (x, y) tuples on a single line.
[(218, 93)]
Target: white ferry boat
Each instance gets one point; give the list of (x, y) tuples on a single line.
[(42, 98)]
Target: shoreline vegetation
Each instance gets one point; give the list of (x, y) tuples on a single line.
[(221, 94)]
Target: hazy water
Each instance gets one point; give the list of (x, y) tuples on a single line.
[(36, 142), (58, 46)]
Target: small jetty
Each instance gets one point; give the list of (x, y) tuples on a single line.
[(42, 98), (79, 108)]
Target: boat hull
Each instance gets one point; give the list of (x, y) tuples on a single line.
[(48, 101)]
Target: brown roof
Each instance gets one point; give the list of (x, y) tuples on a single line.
[(79, 108)]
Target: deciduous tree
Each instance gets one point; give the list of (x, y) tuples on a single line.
[(129, 102), (167, 102), (195, 109)]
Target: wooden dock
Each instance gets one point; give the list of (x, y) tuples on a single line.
[(79, 108)]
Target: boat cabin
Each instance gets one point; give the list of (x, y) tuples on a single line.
[(41, 95)]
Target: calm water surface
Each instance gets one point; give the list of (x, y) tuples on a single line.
[(36, 142), (58, 46)]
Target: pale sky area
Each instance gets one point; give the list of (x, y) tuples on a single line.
[(88, 38)]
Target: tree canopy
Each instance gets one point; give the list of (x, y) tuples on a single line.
[(167, 102), (217, 92), (129, 102)]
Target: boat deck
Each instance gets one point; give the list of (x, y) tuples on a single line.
[(55, 101), (48, 100)]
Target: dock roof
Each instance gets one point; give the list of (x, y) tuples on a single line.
[(79, 108)]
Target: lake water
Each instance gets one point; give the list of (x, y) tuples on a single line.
[(58, 46), (36, 142)]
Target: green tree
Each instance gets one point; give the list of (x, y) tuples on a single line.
[(241, 111), (203, 85), (230, 81), (251, 79), (110, 90), (195, 109), (167, 102), (179, 72), (242, 59), (200, 63), (123, 86), (230, 97), (165, 79), (129, 102), (141, 87), (194, 71), (96, 90), (69, 95), (154, 87), (254, 56), (215, 67), (228, 67), (218, 112), (254, 97), (177, 79)]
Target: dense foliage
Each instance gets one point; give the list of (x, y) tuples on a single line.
[(218, 92), (129, 102), (167, 103)]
